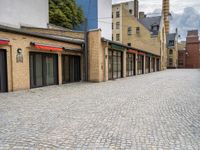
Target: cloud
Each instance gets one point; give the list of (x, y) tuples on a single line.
[(188, 20)]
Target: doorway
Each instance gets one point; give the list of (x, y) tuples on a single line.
[(3, 71)]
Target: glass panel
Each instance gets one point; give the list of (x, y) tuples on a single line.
[(49, 67), (115, 65), (119, 65), (65, 69), (38, 70), (110, 65)]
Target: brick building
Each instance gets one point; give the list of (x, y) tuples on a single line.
[(192, 50), (181, 54)]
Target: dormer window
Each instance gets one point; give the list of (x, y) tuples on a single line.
[(131, 11), (171, 43), (155, 27)]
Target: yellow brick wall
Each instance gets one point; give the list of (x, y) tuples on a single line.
[(18, 73)]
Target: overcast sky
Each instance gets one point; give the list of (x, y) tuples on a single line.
[(186, 13)]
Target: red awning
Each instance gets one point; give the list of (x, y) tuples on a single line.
[(4, 41), (46, 47), (132, 51), (141, 53)]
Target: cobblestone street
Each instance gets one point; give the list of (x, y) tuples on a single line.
[(155, 111)]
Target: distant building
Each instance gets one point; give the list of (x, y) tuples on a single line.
[(172, 50), (181, 54), (98, 14), (16, 13), (192, 49)]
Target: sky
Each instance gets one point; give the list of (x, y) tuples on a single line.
[(185, 13)]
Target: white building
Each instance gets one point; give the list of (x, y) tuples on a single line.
[(99, 15), (16, 13)]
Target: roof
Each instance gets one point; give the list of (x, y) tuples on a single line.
[(40, 35), (128, 47), (170, 37), (192, 33), (149, 21)]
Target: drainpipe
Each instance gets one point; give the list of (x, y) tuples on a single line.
[(85, 66), (105, 58)]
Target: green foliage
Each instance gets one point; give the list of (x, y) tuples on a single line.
[(65, 13)]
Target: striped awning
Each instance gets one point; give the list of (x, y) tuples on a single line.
[(4, 41), (46, 47)]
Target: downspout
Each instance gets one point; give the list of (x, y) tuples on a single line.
[(105, 58)]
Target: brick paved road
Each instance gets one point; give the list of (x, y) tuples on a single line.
[(155, 111)]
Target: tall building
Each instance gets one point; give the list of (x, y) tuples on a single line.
[(18, 13), (172, 50), (192, 49), (147, 33), (166, 14), (98, 14)]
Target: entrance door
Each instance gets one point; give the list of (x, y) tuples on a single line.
[(115, 64), (157, 65), (140, 64), (130, 64), (43, 69), (71, 68), (153, 64), (147, 64), (3, 71)]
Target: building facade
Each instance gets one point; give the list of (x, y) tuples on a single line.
[(31, 59), (181, 55), (172, 50), (192, 49), (16, 13), (146, 33), (98, 14)]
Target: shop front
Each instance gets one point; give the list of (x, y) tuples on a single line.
[(140, 63), (43, 69), (157, 64), (130, 63), (71, 68), (3, 71), (153, 64), (115, 62), (147, 64)]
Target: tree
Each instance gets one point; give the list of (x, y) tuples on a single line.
[(65, 13)]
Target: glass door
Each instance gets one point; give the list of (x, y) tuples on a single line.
[(3, 71)]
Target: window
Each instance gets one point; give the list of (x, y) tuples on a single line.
[(117, 37), (170, 61), (155, 27), (131, 11), (117, 14), (171, 43), (129, 44), (112, 26), (112, 14), (171, 51), (117, 25), (137, 29), (129, 31)]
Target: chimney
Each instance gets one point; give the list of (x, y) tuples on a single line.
[(136, 8), (166, 14), (142, 15)]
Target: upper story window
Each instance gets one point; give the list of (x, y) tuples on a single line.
[(155, 27), (131, 11), (112, 14), (137, 29), (112, 26), (129, 44), (117, 37), (129, 30), (171, 43), (117, 14), (117, 25), (170, 51)]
